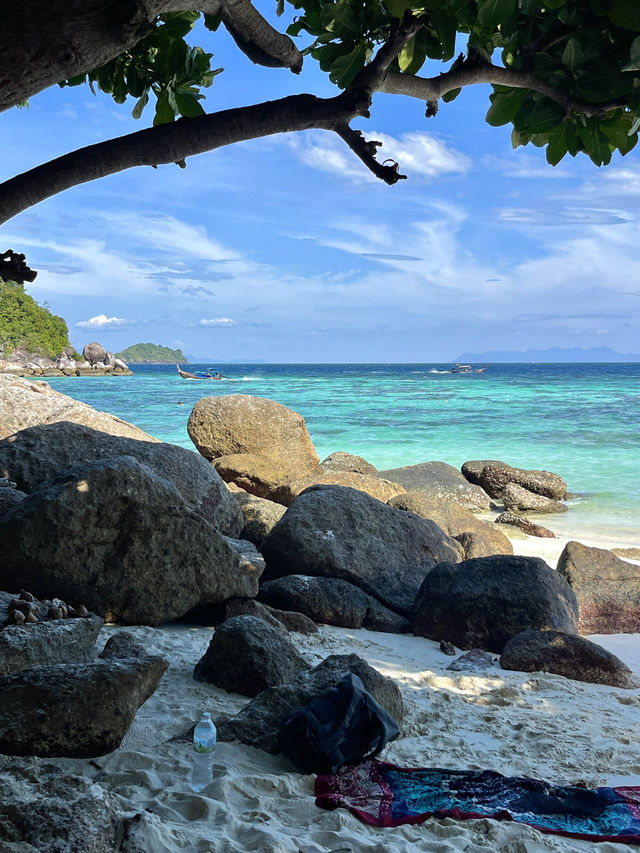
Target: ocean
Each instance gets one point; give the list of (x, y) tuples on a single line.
[(577, 420)]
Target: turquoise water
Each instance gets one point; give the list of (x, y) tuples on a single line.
[(578, 420)]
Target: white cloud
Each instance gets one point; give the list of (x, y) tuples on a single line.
[(217, 321), (101, 321)]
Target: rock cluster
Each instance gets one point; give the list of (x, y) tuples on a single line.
[(95, 361)]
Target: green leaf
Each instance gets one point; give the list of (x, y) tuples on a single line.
[(188, 105), (634, 56), (413, 54), (572, 55), (136, 112), (451, 96), (396, 8), (345, 67), (626, 14), (340, 18), (164, 111), (492, 12), (504, 107), (212, 22), (544, 116), (178, 24), (280, 8), (558, 146), (446, 26)]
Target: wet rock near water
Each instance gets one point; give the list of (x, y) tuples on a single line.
[(482, 603), (43, 808), (627, 553), (258, 722), (246, 655), (493, 476), (331, 601), (341, 461), (334, 531), (606, 587), (566, 654), (518, 499), (89, 706), (37, 454), (118, 537), (524, 524), (441, 482)]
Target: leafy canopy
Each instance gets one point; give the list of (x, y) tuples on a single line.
[(588, 50)]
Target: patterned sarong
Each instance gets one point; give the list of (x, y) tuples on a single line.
[(383, 794)]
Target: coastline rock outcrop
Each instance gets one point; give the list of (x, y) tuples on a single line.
[(524, 524), (478, 538), (331, 601), (483, 603), (272, 435), (440, 481), (607, 589), (566, 654), (89, 706), (258, 722), (493, 475), (116, 536), (377, 487), (246, 655), (334, 531), (37, 454), (341, 461), (518, 499), (24, 403)]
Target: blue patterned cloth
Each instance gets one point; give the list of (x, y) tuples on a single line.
[(386, 795)]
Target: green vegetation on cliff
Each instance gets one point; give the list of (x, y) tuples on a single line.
[(151, 354), (28, 326)]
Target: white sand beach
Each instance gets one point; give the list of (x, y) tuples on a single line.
[(539, 725)]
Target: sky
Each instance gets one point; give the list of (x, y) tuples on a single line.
[(287, 249)]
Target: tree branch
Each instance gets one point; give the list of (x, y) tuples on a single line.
[(257, 39), (366, 151), (13, 267), (174, 142), (467, 74)]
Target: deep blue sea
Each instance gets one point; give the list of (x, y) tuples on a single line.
[(579, 420)]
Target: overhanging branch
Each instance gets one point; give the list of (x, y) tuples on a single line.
[(366, 151), (257, 39)]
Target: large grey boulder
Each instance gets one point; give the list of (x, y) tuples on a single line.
[(478, 538), (258, 722), (332, 601), (283, 620), (607, 589), (38, 453), (260, 516), (117, 537), (50, 642), (440, 481), (246, 655), (238, 423), (341, 461), (493, 475), (43, 808), (568, 655), (518, 499), (379, 488), (76, 710), (482, 603), (94, 353), (9, 497), (337, 532), (25, 404)]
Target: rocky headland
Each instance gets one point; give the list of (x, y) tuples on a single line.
[(94, 361)]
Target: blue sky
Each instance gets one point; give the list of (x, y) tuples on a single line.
[(286, 249)]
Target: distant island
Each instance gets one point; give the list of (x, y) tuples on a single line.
[(152, 354), (555, 354)]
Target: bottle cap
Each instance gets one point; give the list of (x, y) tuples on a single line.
[(206, 715)]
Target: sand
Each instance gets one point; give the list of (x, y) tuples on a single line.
[(538, 725)]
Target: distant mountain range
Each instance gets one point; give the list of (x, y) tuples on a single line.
[(555, 354)]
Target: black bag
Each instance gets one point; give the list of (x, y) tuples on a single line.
[(345, 725)]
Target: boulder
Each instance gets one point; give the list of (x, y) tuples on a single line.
[(42, 808), (482, 603), (331, 601), (251, 560), (119, 538), (493, 475), (10, 497), (382, 490), (227, 425), (627, 553), (260, 516), (440, 481), (26, 404), (94, 354), (477, 538), (246, 655), (255, 475), (283, 620), (607, 589), (566, 654), (56, 641), (475, 661), (258, 722), (88, 706), (333, 531), (38, 453), (122, 645), (518, 499), (341, 461), (525, 525)]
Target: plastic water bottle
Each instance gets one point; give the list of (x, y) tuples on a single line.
[(204, 744)]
